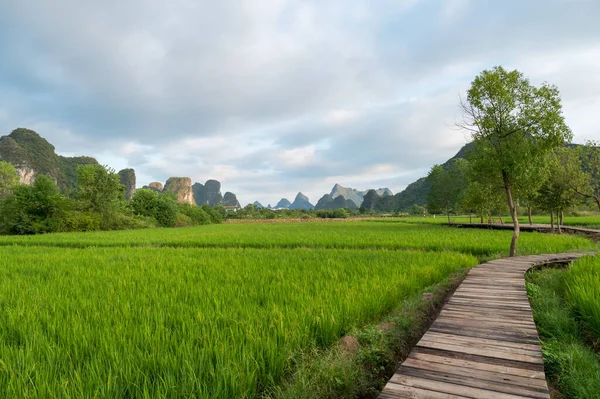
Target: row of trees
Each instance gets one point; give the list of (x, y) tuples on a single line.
[(97, 203), (564, 182), (519, 155)]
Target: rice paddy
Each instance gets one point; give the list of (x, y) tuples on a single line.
[(216, 311)]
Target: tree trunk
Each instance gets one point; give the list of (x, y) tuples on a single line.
[(529, 215), (513, 213), (448, 214), (562, 214), (597, 199), (558, 221), (500, 217), (470, 218), (481, 218), (552, 219)]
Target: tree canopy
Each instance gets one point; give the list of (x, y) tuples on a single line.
[(515, 126)]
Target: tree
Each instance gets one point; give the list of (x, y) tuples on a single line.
[(589, 185), (557, 193), (9, 178), (514, 126), (446, 187), (99, 190), (160, 206), (38, 208)]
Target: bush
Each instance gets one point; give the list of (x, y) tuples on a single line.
[(196, 214), (182, 220), (161, 207), (80, 221)]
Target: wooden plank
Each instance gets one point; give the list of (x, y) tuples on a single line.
[(393, 390), (496, 368), (470, 372), (438, 337), (450, 388), (499, 353), (484, 343)]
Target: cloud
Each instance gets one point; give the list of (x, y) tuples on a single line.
[(278, 97)]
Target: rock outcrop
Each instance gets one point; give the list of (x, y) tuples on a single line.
[(32, 155), (354, 195), (347, 193), (155, 186), (339, 202), (127, 179), (231, 201), (258, 205), (208, 193), (301, 202), (182, 188), (283, 203)]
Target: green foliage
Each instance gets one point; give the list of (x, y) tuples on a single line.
[(391, 234), (159, 322), (25, 148), (564, 173), (570, 364), (446, 187), (583, 292), (33, 209), (99, 190), (196, 214), (515, 126), (9, 178), (160, 206)]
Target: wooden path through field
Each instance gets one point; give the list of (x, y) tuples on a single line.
[(484, 344)]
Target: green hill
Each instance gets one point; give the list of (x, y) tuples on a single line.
[(32, 155)]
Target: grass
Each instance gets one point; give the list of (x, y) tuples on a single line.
[(223, 311), (209, 323), (351, 235), (572, 366), (583, 293)]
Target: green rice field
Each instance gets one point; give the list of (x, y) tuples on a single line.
[(217, 311), (566, 308)]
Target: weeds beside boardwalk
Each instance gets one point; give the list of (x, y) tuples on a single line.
[(216, 311), (565, 306)]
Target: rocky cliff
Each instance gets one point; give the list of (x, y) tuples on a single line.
[(230, 200), (182, 188), (155, 186), (301, 202), (127, 178), (354, 195), (208, 193), (31, 155), (283, 203), (328, 202)]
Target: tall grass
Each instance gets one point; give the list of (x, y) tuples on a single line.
[(172, 322), (583, 292), (366, 235), (571, 365)]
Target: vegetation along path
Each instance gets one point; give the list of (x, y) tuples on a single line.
[(484, 344)]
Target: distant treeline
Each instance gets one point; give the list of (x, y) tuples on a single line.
[(97, 202)]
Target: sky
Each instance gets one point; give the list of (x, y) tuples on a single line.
[(276, 97)]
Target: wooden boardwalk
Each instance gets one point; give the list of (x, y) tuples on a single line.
[(484, 344)]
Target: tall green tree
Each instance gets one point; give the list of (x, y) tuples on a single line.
[(9, 178), (514, 126), (38, 208), (589, 185), (557, 192), (99, 190), (446, 187)]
